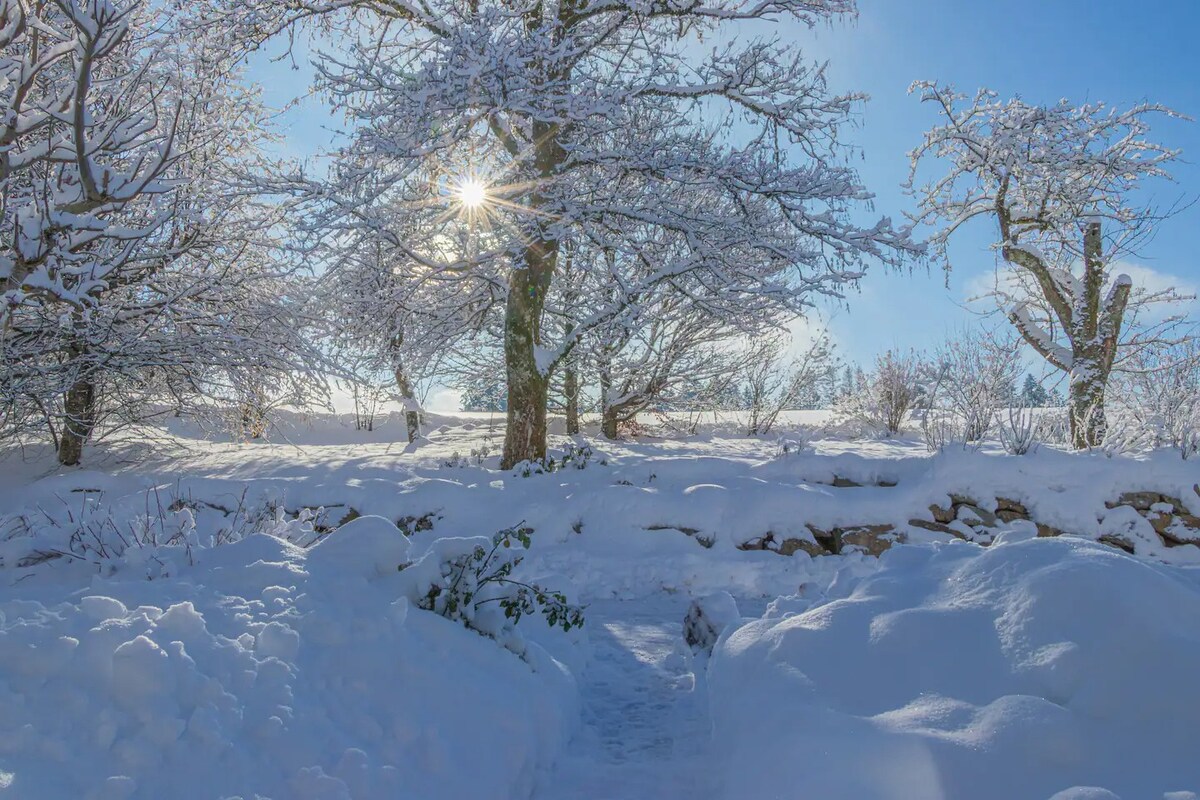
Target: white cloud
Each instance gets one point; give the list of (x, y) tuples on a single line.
[(445, 400), (1144, 278), (1153, 281)]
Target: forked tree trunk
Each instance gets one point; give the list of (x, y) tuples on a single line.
[(79, 405), (1092, 325)]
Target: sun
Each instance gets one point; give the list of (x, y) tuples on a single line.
[(472, 193)]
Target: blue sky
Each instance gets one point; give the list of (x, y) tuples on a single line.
[(1042, 50), (1118, 52)]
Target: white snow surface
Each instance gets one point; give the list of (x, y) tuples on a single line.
[(264, 671), (200, 640), (1031, 669), (645, 728)]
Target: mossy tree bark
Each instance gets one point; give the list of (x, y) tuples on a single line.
[(528, 283)]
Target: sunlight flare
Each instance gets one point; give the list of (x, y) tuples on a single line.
[(472, 193)]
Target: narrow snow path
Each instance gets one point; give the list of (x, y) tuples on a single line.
[(645, 732)]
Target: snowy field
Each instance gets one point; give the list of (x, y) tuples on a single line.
[(205, 619)]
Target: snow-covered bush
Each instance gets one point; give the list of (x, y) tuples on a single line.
[(1160, 388), (771, 383), (1019, 430), (798, 439), (940, 428), (300, 529), (576, 456), (973, 376), (155, 531), (469, 580), (1054, 426), (1124, 433), (155, 541), (882, 406)]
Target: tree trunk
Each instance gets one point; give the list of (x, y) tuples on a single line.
[(412, 416), (571, 391), (528, 283), (1092, 326), (608, 413), (525, 433), (570, 374), (609, 423), (1085, 406), (79, 404)]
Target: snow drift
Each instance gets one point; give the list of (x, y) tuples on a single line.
[(267, 671), (1019, 671)]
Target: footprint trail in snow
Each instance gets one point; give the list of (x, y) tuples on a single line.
[(645, 731)]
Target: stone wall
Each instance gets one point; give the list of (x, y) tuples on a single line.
[(978, 519)]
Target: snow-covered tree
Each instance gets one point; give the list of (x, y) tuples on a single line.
[(133, 278), (514, 129), (655, 363), (895, 388), (669, 339), (1061, 185), (773, 382), (385, 324)]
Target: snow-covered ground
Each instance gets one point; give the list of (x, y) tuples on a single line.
[(200, 618), (1028, 669)]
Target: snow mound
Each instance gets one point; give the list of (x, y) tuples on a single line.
[(365, 547), (267, 671), (1031, 669)]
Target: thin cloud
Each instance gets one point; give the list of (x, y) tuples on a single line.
[(979, 288)]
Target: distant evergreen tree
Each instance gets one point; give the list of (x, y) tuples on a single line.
[(485, 396), (830, 388), (1008, 393), (861, 384), (1033, 394), (847, 386), (810, 397)]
